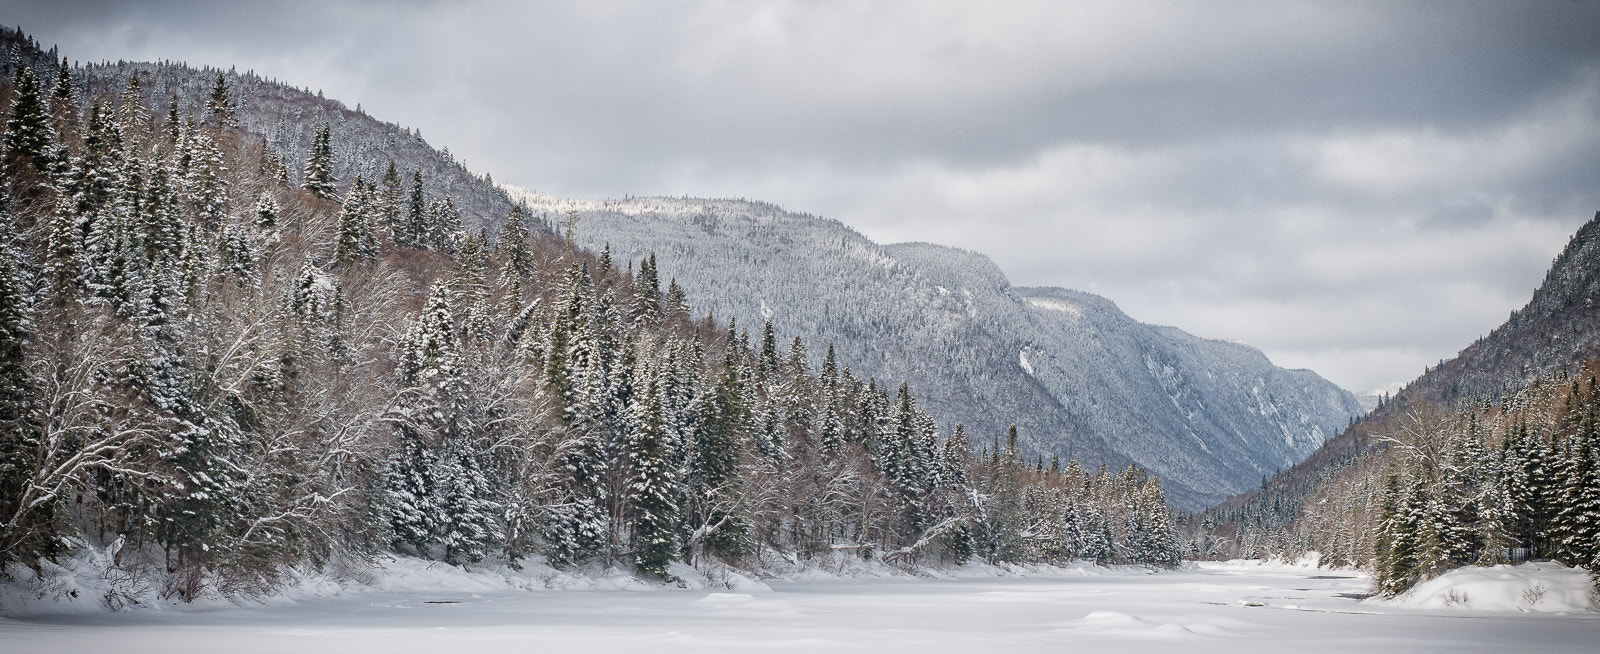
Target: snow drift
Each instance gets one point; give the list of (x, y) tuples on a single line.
[(1543, 587)]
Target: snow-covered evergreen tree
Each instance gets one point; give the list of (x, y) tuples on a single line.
[(29, 139), (412, 231), (19, 432), (355, 238), (220, 112), (319, 165), (652, 487)]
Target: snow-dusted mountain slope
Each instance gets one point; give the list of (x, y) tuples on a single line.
[(1213, 414), (1079, 377)]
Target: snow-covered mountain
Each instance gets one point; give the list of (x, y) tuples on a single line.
[(1079, 377), (944, 319)]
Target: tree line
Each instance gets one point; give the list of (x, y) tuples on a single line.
[(1480, 483), (217, 370)]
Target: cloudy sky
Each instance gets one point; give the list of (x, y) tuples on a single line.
[(1360, 189)]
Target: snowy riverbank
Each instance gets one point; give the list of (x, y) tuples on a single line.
[(88, 583), (1240, 606), (1541, 587)]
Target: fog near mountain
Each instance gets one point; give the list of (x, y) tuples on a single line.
[(1079, 377)]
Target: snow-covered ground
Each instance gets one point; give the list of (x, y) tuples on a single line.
[(1222, 607), (1530, 587)]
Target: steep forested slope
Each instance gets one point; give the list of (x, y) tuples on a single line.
[(215, 370), (1494, 451), (1079, 378), (285, 119), (1558, 328)]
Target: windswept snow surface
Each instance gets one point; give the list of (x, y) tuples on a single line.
[(1228, 607)]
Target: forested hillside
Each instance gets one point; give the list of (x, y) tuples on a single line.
[(1489, 457), (1080, 378), (244, 330)]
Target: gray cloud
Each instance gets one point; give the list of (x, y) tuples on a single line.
[(1359, 188)]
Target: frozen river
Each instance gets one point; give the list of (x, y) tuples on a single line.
[(1213, 608)]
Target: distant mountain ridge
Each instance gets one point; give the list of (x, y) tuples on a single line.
[(1079, 377)]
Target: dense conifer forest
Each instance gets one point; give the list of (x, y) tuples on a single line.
[(220, 361), (1478, 484)]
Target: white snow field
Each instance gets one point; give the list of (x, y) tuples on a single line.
[(1225, 607)]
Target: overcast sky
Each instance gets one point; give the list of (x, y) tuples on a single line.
[(1359, 189)]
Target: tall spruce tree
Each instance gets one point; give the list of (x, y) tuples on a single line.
[(354, 240), (319, 165), (220, 112), (27, 148), (18, 420), (391, 198), (412, 232), (652, 488)]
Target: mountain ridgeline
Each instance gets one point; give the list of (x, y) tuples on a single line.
[(1559, 329), (875, 304), (1079, 377), (230, 348)]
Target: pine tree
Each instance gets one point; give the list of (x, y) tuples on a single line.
[(1402, 536), (266, 213), (90, 181), (832, 423), (1457, 507), (173, 127), (205, 189), (411, 490), (676, 301), (438, 493), (239, 255), (220, 110), (713, 467), (133, 119), (18, 420), (390, 198), (355, 240), (512, 245), (1577, 522), (467, 527), (578, 527), (647, 302), (652, 489), (28, 144), (412, 233), (902, 464), (1532, 487), (64, 109), (444, 225), (319, 165)]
